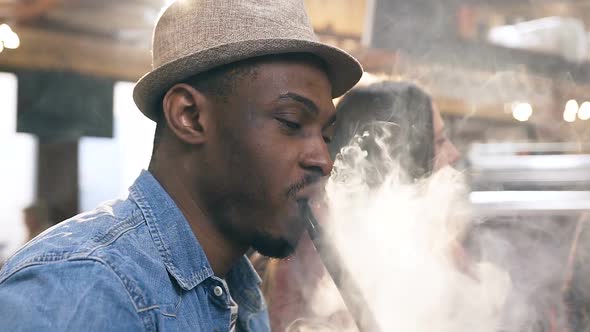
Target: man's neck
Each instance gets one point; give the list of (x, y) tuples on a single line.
[(221, 252)]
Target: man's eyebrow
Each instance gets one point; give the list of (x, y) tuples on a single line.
[(310, 105)]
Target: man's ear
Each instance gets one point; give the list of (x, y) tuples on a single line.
[(185, 109)]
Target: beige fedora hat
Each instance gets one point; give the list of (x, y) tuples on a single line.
[(193, 36)]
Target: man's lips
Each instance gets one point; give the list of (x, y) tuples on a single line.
[(310, 192), (309, 188)]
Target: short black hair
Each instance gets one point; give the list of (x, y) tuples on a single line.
[(403, 105), (220, 82)]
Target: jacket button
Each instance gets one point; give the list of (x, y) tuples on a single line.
[(218, 291)]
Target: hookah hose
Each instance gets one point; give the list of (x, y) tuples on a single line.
[(347, 286)]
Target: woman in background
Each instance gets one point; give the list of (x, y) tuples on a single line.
[(420, 141), (420, 144)]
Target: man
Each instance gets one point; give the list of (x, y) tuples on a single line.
[(242, 93)]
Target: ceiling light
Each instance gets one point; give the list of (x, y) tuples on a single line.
[(584, 111), (12, 41), (8, 38), (5, 31), (570, 111), (522, 111)]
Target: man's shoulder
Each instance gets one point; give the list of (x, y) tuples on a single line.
[(113, 230), (114, 237), (47, 297)]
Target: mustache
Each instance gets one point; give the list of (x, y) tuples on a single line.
[(308, 179)]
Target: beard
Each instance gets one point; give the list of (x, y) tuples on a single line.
[(273, 247), (254, 215), (279, 246), (284, 245), (234, 214)]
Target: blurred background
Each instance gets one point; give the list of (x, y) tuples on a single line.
[(511, 78)]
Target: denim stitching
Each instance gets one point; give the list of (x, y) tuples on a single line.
[(131, 224), (146, 209), (36, 261), (122, 223), (26, 264), (125, 283)]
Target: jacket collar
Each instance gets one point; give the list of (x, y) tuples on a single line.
[(180, 250)]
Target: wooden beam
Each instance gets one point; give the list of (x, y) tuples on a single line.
[(30, 10), (48, 50)]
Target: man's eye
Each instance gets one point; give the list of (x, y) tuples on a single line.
[(327, 139), (289, 124)]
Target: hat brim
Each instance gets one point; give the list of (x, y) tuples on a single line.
[(343, 70)]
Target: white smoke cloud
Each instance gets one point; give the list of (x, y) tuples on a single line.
[(402, 242)]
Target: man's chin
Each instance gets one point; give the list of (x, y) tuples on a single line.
[(274, 247)]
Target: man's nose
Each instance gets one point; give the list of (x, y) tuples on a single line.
[(317, 158)]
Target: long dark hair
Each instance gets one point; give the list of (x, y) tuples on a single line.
[(401, 104)]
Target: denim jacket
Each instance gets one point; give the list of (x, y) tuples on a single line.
[(129, 265)]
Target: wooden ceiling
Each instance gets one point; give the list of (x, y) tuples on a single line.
[(129, 20), (127, 24)]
